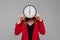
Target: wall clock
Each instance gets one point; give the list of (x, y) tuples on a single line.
[(29, 11)]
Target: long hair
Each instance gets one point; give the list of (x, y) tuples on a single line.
[(27, 19)]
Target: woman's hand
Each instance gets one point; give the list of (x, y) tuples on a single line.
[(38, 17), (22, 17)]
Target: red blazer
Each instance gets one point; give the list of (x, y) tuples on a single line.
[(38, 27)]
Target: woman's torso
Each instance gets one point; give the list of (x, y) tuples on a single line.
[(25, 33)]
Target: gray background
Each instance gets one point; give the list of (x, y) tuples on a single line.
[(49, 11)]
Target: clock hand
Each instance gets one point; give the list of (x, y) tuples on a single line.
[(29, 10)]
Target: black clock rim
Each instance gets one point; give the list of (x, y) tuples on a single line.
[(33, 7)]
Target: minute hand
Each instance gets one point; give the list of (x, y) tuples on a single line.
[(29, 10)]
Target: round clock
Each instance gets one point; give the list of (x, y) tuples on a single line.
[(29, 11)]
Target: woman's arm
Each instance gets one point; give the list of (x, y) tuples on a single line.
[(41, 27), (40, 24), (18, 28), (18, 25)]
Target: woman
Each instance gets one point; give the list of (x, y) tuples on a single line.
[(30, 27)]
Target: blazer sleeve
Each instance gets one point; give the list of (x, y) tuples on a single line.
[(18, 28), (41, 27)]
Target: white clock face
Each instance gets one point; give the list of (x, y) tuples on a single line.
[(29, 11)]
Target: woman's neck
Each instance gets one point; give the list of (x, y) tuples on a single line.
[(30, 22)]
